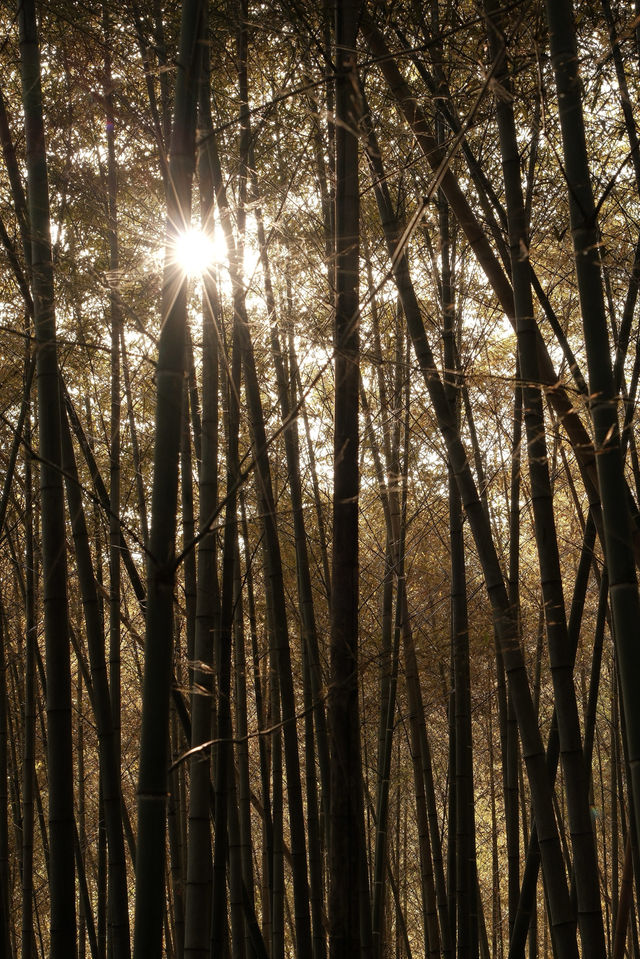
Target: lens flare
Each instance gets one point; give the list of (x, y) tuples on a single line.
[(196, 252)]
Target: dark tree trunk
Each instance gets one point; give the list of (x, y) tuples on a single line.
[(347, 935), (154, 744), (60, 746)]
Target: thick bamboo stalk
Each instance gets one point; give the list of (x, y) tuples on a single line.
[(199, 865), (152, 787), (349, 928), (60, 755)]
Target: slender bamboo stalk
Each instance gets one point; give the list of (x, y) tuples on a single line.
[(108, 744), (268, 841), (135, 448), (509, 729), (28, 766), (115, 444), (312, 674), (188, 530), (322, 536), (224, 767), (434, 897), (82, 812), (466, 867), (274, 576), (5, 896), (242, 748), (292, 452), (177, 871)]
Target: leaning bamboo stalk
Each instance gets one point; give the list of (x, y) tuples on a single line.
[(292, 453), (105, 722), (481, 247), (508, 725), (561, 661), (504, 621), (82, 810), (261, 712), (525, 906), (277, 878), (135, 447), (625, 603), (102, 494), (285, 677), (242, 729), (322, 536), (391, 654)]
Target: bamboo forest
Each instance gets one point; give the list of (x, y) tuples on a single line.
[(319, 479)]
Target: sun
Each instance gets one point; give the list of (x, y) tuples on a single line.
[(196, 251)]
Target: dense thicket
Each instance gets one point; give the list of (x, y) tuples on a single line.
[(319, 614)]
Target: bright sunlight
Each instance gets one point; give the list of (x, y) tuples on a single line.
[(196, 251)]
